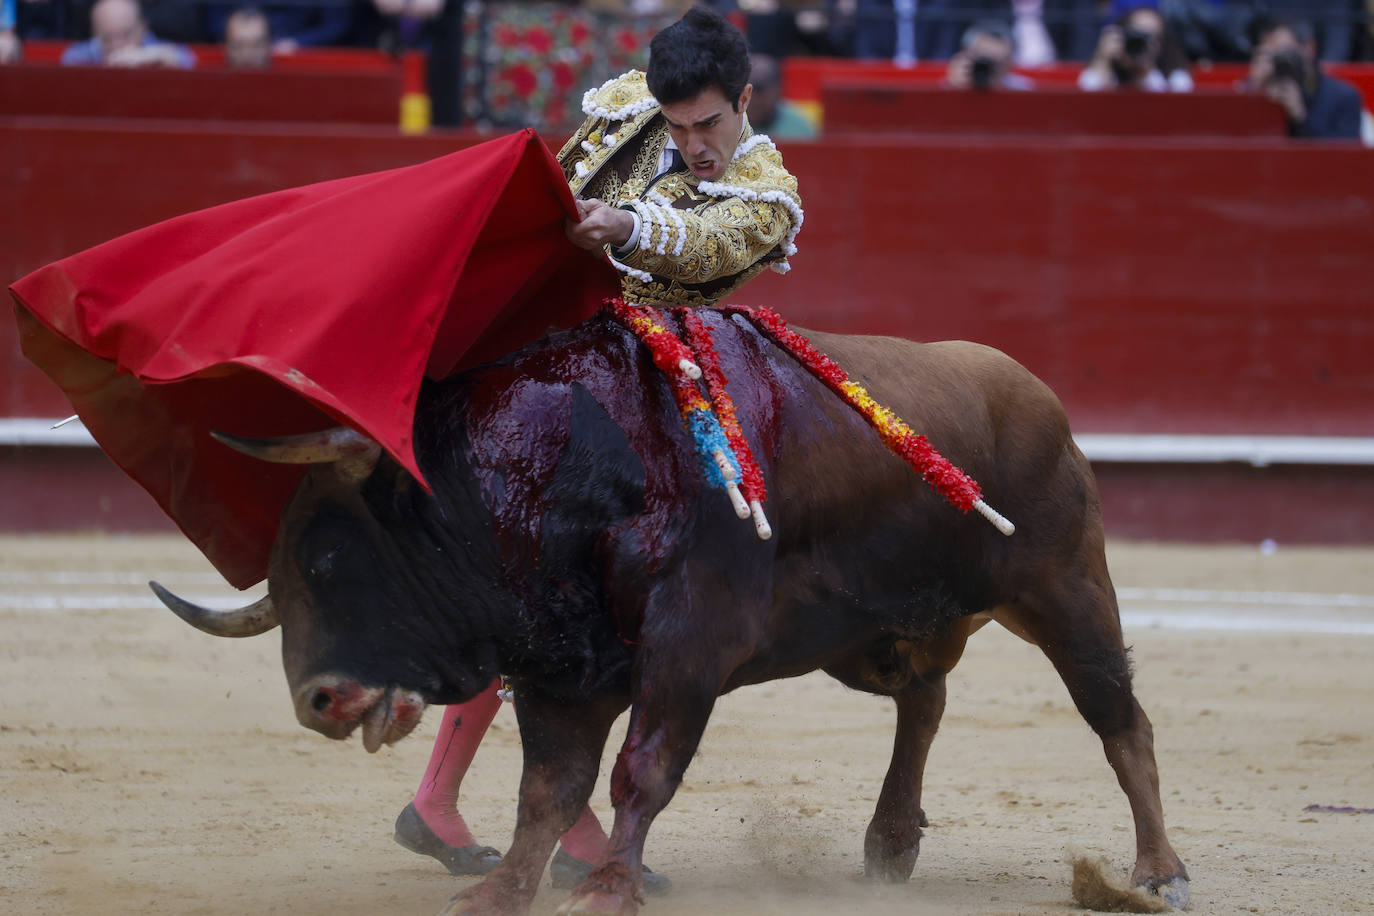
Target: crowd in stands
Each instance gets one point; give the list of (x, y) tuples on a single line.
[(1147, 45), (1043, 30), (292, 24)]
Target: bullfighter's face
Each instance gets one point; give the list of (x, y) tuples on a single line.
[(706, 129)]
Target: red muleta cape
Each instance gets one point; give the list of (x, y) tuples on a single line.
[(299, 310)]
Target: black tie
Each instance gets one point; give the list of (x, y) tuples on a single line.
[(678, 164)]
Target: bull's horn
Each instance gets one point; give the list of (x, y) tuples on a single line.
[(355, 453), (322, 447), (256, 618)]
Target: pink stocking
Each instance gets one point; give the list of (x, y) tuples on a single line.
[(585, 839), (456, 744)]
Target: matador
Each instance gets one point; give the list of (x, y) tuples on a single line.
[(688, 203)]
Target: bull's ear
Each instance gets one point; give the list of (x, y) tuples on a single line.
[(600, 478)]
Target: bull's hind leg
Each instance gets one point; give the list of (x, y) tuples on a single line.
[(1076, 624), (893, 839)]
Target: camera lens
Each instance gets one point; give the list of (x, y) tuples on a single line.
[(1136, 42), (981, 74), (1289, 65)]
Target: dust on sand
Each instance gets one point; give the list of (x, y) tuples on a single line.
[(1096, 888), (149, 768)]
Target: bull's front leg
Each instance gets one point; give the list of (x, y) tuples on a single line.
[(562, 753), (666, 725)]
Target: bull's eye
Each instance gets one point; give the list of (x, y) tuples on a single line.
[(322, 565), (327, 551)]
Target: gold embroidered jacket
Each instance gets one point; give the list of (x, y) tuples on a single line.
[(698, 240)]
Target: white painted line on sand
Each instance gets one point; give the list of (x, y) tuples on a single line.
[(1198, 619), (1233, 596), (110, 602), (31, 578)]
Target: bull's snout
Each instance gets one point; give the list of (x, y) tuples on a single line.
[(334, 706)]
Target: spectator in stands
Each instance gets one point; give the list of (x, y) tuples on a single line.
[(1333, 22), (1031, 39), (984, 61), (405, 23), (247, 40), (775, 27), (10, 49), (1284, 67), (30, 19), (122, 39), (769, 112), (912, 30), (1210, 30), (1074, 26), (1137, 51), (293, 25), (171, 20)]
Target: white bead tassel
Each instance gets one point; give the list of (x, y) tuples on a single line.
[(731, 487), (761, 526), (999, 521)]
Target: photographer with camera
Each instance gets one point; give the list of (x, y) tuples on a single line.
[(984, 59), (1137, 51), (1284, 68)]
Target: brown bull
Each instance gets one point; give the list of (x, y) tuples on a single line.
[(570, 544)]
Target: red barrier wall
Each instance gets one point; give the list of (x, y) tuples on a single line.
[(1179, 287), (1157, 286)]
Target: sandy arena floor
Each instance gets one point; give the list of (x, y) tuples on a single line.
[(148, 768)]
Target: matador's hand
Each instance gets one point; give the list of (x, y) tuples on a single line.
[(600, 225)]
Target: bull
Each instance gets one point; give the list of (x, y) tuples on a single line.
[(570, 544)]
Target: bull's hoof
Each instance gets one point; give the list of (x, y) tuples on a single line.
[(568, 872), (893, 870), (889, 859), (486, 899), (1173, 892), (600, 903), (414, 834)]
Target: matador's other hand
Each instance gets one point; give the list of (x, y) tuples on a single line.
[(600, 225)]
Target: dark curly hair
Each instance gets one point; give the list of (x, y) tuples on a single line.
[(700, 50)]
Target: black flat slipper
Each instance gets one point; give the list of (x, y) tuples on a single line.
[(414, 834), (568, 872)]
